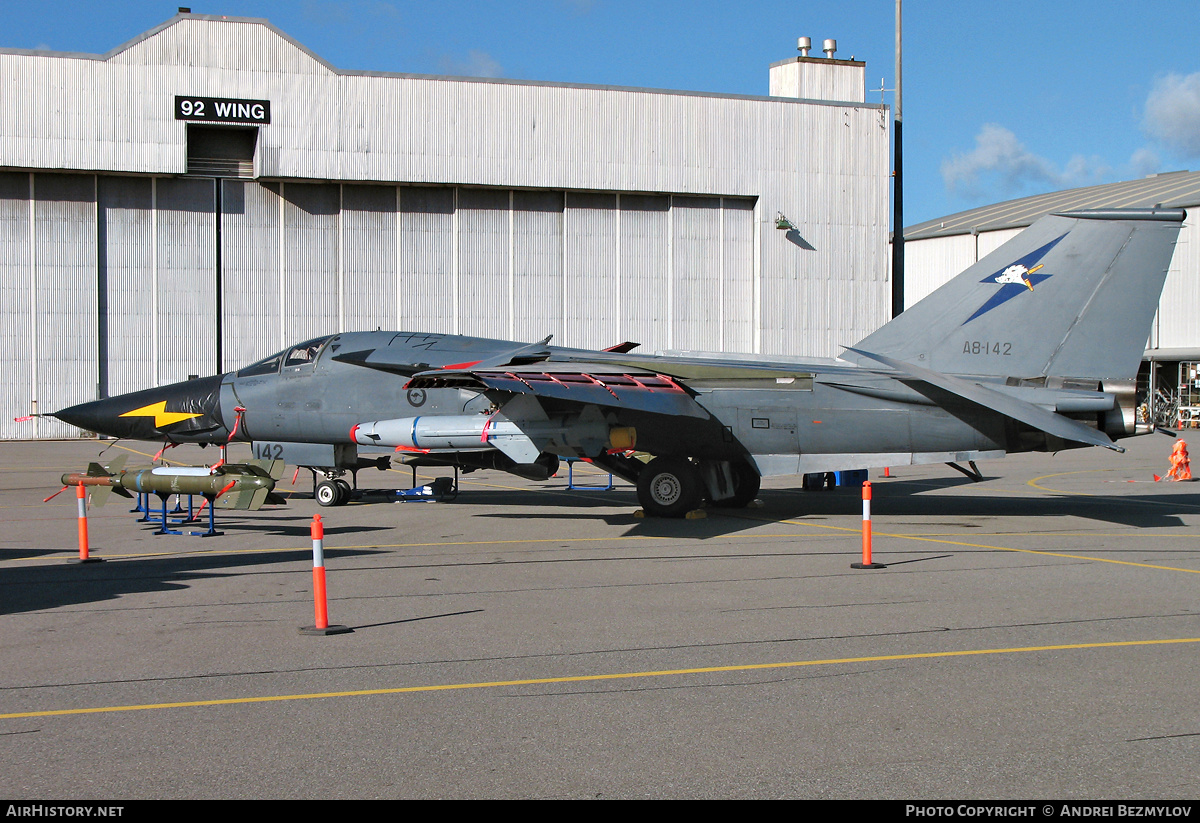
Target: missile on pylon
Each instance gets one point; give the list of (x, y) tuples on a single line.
[(231, 485), (522, 440)]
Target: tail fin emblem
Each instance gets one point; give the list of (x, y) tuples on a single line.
[(1015, 279)]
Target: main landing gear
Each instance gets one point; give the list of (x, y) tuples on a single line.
[(669, 487), (674, 486)]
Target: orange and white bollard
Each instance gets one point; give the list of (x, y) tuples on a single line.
[(320, 605), (81, 504), (866, 532)]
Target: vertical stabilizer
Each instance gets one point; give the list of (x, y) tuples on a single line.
[(1071, 296)]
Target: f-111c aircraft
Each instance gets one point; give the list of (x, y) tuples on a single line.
[(1034, 348)]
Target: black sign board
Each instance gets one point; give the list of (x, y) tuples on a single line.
[(223, 110)]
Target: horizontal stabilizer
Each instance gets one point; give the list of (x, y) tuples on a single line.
[(1027, 413)]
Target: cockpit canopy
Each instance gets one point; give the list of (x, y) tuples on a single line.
[(302, 355)]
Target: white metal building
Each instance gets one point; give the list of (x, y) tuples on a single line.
[(936, 250), (212, 191)]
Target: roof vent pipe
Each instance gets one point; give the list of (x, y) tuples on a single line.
[(803, 45), (830, 48)]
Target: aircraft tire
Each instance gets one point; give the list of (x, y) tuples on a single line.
[(746, 483), (327, 493), (344, 492), (669, 487)]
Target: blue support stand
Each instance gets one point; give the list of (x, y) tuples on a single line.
[(571, 480), (212, 520), (143, 506), (162, 529)]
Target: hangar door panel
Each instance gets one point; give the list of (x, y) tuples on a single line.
[(185, 279), (645, 277), (250, 271), (16, 317), (64, 244), (592, 310), (537, 294), (369, 283), (484, 252), (737, 275), (425, 225), (127, 323), (696, 273), (309, 285)]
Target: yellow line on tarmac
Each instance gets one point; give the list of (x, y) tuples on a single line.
[(1034, 481), (985, 546), (1035, 484), (541, 681), (1049, 554), (616, 538), (385, 546)]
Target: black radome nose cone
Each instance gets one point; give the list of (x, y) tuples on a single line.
[(187, 411)]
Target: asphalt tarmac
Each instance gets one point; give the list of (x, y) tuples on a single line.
[(1034, 635)]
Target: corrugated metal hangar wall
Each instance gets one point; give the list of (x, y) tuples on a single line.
[(502, 209)]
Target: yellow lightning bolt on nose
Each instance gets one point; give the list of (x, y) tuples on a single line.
[(159, 412)]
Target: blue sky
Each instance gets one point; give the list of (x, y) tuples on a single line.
[(1000, 99)]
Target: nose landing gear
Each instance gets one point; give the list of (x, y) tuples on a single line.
[(332, 492)]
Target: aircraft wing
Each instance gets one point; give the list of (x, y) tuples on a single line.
[(1028, 413), (685, 367), (575, 382)]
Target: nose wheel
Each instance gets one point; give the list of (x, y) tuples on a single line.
[(332, 492)]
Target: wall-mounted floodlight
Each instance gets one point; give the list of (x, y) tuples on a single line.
[(782, 223)]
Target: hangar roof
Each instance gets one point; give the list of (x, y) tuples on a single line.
[(1169, 189), (133, 43)]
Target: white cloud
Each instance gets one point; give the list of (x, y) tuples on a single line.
[(1001, 165), (1144, 162), (1173, 113), (476, 64)]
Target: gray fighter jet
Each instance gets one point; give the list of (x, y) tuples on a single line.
[(1034, 348)]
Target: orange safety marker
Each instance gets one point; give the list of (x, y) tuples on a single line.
[(866, 532), (1181, 468), (320, 606), (81, 504)]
